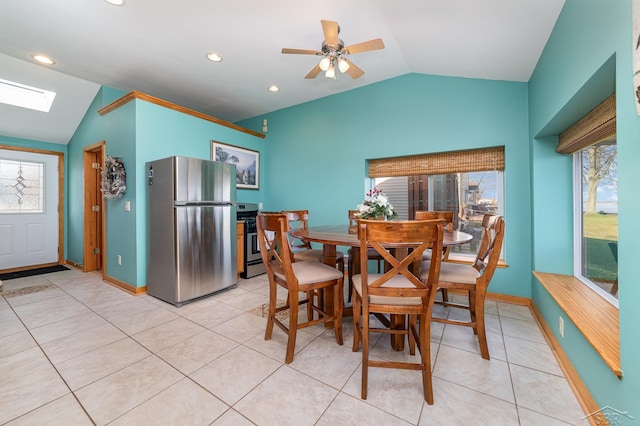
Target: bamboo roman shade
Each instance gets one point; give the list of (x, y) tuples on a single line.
[(592, 128), (469, 160)]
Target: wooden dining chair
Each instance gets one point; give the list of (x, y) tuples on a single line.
[(447, 216), (473, 279), (371, 253), (295, 276), (398, 291), (302, 250)]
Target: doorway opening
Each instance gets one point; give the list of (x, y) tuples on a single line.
[(32, 230), (94, 215)]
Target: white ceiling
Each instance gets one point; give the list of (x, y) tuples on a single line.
[(159, 47)]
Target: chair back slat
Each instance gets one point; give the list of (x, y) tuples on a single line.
[(353, 219), (401, 244), (297, 220), (448, 216), (490, 246), (274, 245)]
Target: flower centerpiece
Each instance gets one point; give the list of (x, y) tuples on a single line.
[(376, 206)]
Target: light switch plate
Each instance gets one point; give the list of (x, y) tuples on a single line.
[(127, 206)]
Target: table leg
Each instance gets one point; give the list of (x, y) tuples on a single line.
[(328, 258)]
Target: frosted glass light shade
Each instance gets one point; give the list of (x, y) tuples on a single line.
[(325, 63)]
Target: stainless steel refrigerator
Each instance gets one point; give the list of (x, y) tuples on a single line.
[(191, 228)]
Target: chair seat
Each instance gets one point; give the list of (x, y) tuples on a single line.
[(426, 255), (453, 272), (309, 272), (314, 255), (398, 282)]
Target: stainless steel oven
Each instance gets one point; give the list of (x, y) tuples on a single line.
[(252, 257)]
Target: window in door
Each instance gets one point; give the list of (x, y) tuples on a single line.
[(21, 187)]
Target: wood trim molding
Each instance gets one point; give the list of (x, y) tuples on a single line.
[(26, 268), (597, 319), (157, 101), (125, 286), (507, 298), (586, 401)]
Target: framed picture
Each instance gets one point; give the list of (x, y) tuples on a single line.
[(247, 163)]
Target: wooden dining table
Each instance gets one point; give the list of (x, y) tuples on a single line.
[(332, 236)]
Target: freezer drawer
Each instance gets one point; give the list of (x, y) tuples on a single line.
[(195, 255), (206, 250)]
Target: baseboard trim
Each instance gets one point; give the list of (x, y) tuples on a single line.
[(586, 401), (515, 300), (136, 291), (26, 268)]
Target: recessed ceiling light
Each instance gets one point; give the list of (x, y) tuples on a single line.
[(273, 88), (43, 59), (214, 57), (115, 2)]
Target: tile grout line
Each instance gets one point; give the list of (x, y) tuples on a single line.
[(51, 364)]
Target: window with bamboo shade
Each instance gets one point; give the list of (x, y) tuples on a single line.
[(468, 182), (440, 163), (592, 142)]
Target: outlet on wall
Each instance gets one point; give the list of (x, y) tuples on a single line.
[(561, 326), (119, 260)]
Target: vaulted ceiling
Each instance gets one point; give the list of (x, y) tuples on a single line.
[(159, 48)]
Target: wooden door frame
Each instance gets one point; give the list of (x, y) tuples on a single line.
[(60, 156), (100, 149)]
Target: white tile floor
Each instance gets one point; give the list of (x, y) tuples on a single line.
[(83, 352)]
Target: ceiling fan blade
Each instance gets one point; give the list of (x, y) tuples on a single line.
[(330, 29), (353, 70), (301, 51), (314, 72), (365, 46)]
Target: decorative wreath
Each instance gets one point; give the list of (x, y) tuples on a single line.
[(114, 178)]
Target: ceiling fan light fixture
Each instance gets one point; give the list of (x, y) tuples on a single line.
[(343, 65), (214, 57), (325, 63), (115, 2), (331, 72)]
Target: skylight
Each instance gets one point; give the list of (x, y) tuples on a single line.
[(23, 96)]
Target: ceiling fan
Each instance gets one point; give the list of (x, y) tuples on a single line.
[(335, 53)]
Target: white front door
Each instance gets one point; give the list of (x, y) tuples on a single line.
[(28, 209)]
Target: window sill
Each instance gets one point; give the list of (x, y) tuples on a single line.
[(596, 318)]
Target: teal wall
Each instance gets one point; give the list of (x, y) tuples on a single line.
[(586, 59), (316, 153), (162, 132), (93, 128), (137, 132)]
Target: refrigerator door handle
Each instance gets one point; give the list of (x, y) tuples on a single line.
[(203, 203)]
